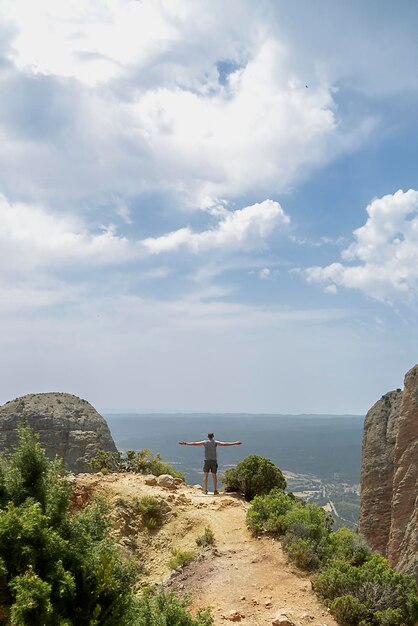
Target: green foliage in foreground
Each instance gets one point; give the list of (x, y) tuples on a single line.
[(253, 476), (142, 462), (57, 568), (359, 586), (166, 609), (371, 593)]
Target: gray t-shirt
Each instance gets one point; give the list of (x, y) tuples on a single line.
[(210, 450)]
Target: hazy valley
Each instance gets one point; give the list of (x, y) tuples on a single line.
[(319, 454)]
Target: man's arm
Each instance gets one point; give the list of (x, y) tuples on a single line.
[(192, 443), (228, 443)]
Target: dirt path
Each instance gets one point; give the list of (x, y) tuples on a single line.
[(243, 578)]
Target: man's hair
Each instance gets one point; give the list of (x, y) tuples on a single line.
[(210, 435)]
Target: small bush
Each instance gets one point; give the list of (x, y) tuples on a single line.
[(105, 461), (163, 609), (348, 546), (207, 539), (307, 522), (304, 553), (254, 476), (150, 510), (267, 512), (348, 610), (180, 558)]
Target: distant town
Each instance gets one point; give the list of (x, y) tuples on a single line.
[(340, 499)]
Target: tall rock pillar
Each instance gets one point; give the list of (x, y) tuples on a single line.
[(389, 477)]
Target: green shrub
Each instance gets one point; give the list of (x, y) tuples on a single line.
[(304, 553), (150, 510), (380, 590), (267, 512), (54, 568), (254, 476), (207, 539), (61, 569), (33, 603), (307, 522), (166, 609), (180, 558), (348, 546), (348, 610), (105, 461), (306, 527), (142, 462)]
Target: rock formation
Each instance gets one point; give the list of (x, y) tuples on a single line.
[(389, 476), (67, 425)]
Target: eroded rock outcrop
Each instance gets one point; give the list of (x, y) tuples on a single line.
[(389, 477), (67, 425)]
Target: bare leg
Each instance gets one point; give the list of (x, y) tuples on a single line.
[(215, 481), (205, 481)]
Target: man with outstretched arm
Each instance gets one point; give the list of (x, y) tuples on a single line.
[(211, 462)]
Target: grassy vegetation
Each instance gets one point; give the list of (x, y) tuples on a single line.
[(166, 609), (180, 558), (150, 511), (207, 539), (142, 462)]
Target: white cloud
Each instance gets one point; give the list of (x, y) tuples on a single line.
[(262, 130), (245, 228), (265, 273), (127, 97), (382, 262), (32, 237), (124, 212)]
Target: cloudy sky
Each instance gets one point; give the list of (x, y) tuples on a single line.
[(209, 204)]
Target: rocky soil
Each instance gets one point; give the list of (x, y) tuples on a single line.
[(245, 579)]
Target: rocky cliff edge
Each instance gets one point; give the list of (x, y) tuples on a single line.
[(389, 476)]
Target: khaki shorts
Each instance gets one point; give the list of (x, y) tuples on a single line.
[(210, 466)]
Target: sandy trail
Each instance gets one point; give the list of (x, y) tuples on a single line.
[(241, 574)]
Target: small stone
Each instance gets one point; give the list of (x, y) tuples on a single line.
[(234, 616), (150, 479), (282, 620), (268, 604), (242, 598)]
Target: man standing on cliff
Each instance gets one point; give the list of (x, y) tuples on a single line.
[(211, 462)]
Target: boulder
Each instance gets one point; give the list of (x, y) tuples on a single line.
[(68, 427), (167, 481)]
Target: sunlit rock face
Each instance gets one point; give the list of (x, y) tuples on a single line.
[(67, 426), (389, 476)]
